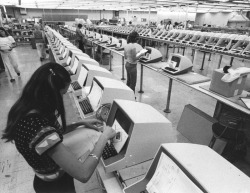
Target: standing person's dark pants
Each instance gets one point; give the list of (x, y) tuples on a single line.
[(131, 75), (81, 45), (2, 68), (65, 184)]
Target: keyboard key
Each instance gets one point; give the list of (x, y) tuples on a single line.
[(109, 151)]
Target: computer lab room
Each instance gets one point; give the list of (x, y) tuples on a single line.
[(125, 96)]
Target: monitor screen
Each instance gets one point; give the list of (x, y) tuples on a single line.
[(61, 49), (68, 60), (122, 119), (74, 67), (65, 53), (95, 95), (83, 76), (121, 125), (57, 43), (176, 61), (70, 53), (169, 177)]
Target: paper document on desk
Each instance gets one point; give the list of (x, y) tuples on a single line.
[(233, 74), (169, 178), (143, 51)]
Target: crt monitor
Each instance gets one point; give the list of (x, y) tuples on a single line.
[(73, 53), (111, 89), (153, 55), (91, 34), (76, 64), (104, 38), (178, 64), (70, 55), (113, 42), (62, 56), (97, 36), (143, 129), (121, 44), (190, 168), (73, 68), (81, 86)]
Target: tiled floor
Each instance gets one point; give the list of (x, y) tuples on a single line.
[(16, 176)]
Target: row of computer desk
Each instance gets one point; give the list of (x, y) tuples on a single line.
[(133, 174), (201, 86)]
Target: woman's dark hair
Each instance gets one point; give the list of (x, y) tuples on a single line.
[(42, 94), (6, 33), (133, 37), (79, 26)]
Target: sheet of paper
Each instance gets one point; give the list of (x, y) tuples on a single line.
[(169, 178), (246, 101), (143, 51)]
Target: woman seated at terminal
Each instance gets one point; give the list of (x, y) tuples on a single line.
[(34, 128)]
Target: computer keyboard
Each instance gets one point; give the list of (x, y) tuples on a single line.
[(108, 151), (76, 85), (86, 106), (170, 69)]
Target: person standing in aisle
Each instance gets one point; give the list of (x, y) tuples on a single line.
[(131, 57), (40, 42), (7, 43), (2, 68), (33, 125), (80, 37)]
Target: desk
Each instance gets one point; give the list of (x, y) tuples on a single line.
[(201, 87), (52, 54)]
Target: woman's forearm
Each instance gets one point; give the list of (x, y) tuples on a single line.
[(92, 161)]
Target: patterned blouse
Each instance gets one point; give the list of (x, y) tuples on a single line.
[(34, 136)]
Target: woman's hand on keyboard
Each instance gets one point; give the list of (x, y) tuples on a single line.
[(108, 132)]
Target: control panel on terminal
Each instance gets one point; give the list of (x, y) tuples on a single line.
[(141, 130), (178, 64), (103, 90), (81, 86)]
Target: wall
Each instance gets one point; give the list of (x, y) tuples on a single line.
[(129, 16), (217, 19), (60, 14), (175, 16), (71, 14)]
